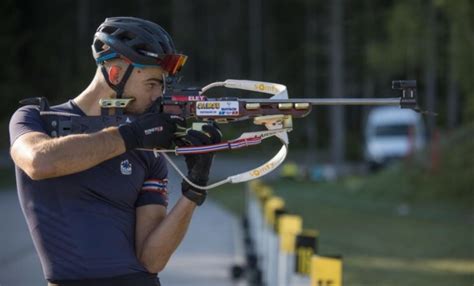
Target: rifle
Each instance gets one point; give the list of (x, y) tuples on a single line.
[(275, 113)]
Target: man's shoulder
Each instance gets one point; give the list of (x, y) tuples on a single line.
[(28, 118), (66, 107), (27, 109), (25, 113)]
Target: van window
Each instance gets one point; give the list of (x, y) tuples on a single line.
[(393, 130)]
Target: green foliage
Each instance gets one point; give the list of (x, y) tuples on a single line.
[(444, 175), (383, 40), (402, 51)]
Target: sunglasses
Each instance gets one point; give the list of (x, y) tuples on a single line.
[(170, 63)]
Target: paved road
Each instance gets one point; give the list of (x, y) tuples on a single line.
[(204, 257)]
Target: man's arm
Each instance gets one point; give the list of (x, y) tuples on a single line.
[(42, 157), (158, 235)]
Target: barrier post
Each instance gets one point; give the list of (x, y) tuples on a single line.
[(326, 271), (306, 245), (288, 227), (270, 241)]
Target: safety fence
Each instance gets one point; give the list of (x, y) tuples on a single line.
[(279, 251)]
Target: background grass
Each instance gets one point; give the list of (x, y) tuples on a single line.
[(383, 242), (411, 224)]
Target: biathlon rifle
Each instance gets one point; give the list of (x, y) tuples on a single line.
[(275, 114)]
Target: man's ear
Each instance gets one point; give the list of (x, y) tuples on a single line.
[(114, 74)]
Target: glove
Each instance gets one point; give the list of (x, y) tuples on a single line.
[(151, 130), (198, 164)]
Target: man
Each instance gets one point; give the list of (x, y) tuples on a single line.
[(95, 206)]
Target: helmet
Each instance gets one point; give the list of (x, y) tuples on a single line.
[(141, 42)]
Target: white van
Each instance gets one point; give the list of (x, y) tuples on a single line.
[(392, 133)]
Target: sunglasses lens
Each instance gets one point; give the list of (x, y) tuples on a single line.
[(173, 63)]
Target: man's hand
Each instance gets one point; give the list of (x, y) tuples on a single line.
[(151, 130), (198, 164)]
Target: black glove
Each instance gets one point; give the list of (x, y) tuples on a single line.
[(151, 130), (198, 164)]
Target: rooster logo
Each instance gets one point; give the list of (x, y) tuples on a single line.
[(126, 167)]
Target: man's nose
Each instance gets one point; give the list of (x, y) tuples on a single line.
[(156, 96)]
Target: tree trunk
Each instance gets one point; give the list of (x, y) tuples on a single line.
[(337, 84), (82, 17), (453, 91), (183, 29), (231, 65), (369, 81), (310, 78), (255, 39), (79, 65), (144, 9), (430, 68)]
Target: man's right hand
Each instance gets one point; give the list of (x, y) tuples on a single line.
[(151, 130)]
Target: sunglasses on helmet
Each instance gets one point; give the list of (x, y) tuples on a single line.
[(170, 63)]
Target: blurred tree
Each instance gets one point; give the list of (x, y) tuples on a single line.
[(255, 39), (185, 36), (416, 45), (336, 70), (12, 84), (310, 84), (453, 82), (460, 15), (355, 51), (83, 60), (430, 52)]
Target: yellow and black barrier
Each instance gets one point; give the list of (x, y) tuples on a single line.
[(306, 246), (326, 271), (284, 253), (289, 226)]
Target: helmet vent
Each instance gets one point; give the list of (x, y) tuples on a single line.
[(143, 49), (108, 29), (99, 45), (126, 36)]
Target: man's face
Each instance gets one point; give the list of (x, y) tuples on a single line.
[(146, 86)]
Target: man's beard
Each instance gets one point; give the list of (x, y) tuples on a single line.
[(133, 110)]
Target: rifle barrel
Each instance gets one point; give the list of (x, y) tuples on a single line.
[(330, 101)]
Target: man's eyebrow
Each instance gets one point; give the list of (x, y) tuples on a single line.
[(159, 80)]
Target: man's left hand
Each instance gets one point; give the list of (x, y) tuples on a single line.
[(199, 165)]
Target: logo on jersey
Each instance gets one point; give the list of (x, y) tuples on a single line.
[(126, 167), (153, 130)]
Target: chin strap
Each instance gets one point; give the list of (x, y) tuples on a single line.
[(119, 87)]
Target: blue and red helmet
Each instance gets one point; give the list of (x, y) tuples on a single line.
[(141, 42)]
